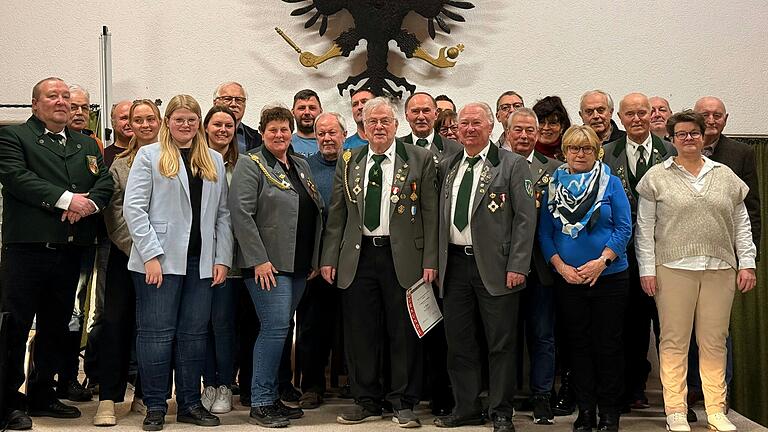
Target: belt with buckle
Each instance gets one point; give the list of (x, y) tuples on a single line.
[(376, 241), (467, 250)]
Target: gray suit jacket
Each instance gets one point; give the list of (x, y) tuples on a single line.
[(740, 158), (264, 216), (441, 147), (117, 229), (541, 169), (158, 213), (502, 239), (413, 237), (615, 156)]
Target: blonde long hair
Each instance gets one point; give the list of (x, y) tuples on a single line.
[(200, 161), (133, 144)]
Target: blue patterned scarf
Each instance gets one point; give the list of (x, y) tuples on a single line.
[(575, 199)]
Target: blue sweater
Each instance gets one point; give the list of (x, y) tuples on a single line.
[(323, 172), (613, 230)]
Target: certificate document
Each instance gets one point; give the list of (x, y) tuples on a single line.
[(422, 307)]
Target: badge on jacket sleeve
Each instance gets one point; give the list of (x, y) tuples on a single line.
[(529, 188), (93, 164)]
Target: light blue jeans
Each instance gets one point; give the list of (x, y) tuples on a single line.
[(274, 309)]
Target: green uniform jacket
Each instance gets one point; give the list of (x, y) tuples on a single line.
[(35, 171)]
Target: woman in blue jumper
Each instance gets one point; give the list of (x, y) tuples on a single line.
[(584, 229)]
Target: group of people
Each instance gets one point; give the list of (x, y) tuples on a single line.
[(576, 236)]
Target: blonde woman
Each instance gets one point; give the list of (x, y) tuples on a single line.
[(119, 318), (176, 211)]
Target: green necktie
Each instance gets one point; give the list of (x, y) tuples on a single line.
[(373, 194), (461, 215), (642, 165), (421, 142)]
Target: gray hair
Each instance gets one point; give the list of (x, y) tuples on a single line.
[(608, 98), (378, 102), (482, 105), (229, 83), (522, 112), (76, 88), (339, 119)]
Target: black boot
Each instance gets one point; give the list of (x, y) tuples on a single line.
[(609, 422), (564, 405), (586, 421)]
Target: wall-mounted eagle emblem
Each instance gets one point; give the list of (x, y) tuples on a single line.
[(378, 22)]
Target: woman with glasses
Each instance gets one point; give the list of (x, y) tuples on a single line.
[(218, 375), (176, 211), (694, 249), (584, 229), (553, 122), (119, 318), (446, 125), (277, 218)]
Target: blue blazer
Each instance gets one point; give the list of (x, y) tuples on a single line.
[(158, 212)]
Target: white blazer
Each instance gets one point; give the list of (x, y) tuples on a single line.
[(158, 212)]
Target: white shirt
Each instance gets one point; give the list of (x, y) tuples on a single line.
[(633, 154), (429, 139), (530, 158), (387, 174), (66, 198), (464, 237), (646, 220)]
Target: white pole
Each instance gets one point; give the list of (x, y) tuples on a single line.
[(105, 67)]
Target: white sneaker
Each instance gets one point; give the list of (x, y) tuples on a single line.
[(719, 422), (223, 402), (208, 396), (678, 422)]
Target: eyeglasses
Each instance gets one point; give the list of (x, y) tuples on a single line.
[(385, 122), (229, 99), (507, 107), (452, 128), (183, 121), (683, 135), (552, 122), (576, 149)]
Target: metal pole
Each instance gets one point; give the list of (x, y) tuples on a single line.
[(105, 68)]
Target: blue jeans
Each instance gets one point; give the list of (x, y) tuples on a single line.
[(275, 308), (538, 310), (219, 361), (172, 321)]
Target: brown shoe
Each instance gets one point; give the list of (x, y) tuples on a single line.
[(105, 414), (310, 400)]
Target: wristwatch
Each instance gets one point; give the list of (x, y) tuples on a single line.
[(607, 261)]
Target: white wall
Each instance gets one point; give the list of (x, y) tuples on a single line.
[(678, 49)]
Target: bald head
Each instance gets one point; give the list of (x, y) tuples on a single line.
[(715, 117), (120, 123), (660, 112), (635, 115)]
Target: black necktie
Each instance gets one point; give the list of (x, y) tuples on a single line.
[(56, 138), (461, 215), (642, 165), (421, 142), (373, 194)]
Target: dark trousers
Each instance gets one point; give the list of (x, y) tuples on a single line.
[(436, 366), (220, 352), (248, 327), (537, 312), (36, 280), (118, 328), (637, 324), (467, 305), (316, 319), (593, 318), (375, 312)]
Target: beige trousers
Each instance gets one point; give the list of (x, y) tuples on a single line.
[(684, 299)]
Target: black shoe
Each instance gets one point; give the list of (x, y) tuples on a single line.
[(154, 421), (503, 424), (289, 412), (691, 416), (54, 409), (564, 404), (542, 411), (198, 415), (74, 391), (289, 394), (585, 422), (235, 389), (345, 392), (358, 414), (453, 420), (17, 420), (386, 408), (441, 410), (245, 400), (268, 416), (609, 422)]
